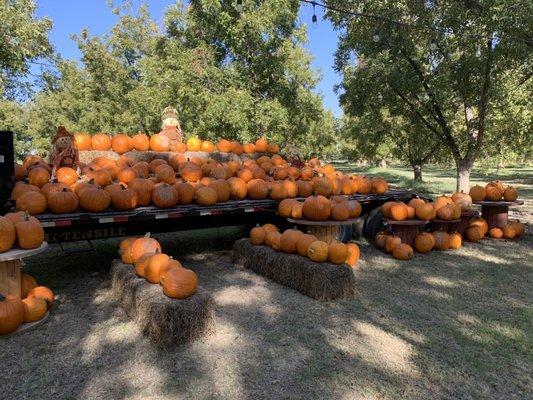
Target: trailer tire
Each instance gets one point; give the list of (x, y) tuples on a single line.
[(373, 224)]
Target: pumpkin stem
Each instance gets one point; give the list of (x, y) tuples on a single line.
[(26, 216), (64, 190), (2, 298)]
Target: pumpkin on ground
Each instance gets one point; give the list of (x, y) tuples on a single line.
[(424, 242), (456, 240), (44, 293), (7, 234), (495, 233), (34, 309), (179, 283), (289, 240), (391, 242), (481, 223), (318, 251), (442, 240), (519, 227), (29, 233), (508, 232), (380, 239), (474, 233), (402, 252), (337, 253), (27, 283), (11, 314)]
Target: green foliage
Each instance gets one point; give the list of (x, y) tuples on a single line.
[(229, 74), (449, 77), (23, 38)]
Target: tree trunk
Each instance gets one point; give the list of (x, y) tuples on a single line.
[(463, 175), (417, 170)]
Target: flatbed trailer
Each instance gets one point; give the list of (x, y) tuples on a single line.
[(113, 223)]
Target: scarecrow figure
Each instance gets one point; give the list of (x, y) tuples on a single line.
[(170, 124), (64, 152)]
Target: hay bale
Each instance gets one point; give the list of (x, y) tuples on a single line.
[(167, 322), (86, 156), (321, 281)]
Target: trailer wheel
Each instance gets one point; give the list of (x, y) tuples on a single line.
[(373, 224)]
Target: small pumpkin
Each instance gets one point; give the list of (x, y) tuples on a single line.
[(34, 309), (273, 239), (143, 188), (445, 213), (415, 201), (391, 242), (355, 208), (153, 266), (257, 235), (297, 210), (318, 251), (38, 176), (270, 228), (67, 175), (403, 252), (381, 239), (44, 293), (273, 148), (302, 246), (510, 194), (186, 192), (496, 233), (456, 240), (442, 240), (337, 253), (208, 146), (424, 242), (509, 232), (179, 283)]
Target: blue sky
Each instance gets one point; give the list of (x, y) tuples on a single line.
[(71, 16)]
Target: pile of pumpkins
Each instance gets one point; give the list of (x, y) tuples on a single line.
[(493, 191), (445, 208), (125, 184), (31, 307), (158, 268), (320, 208), (294, 241), (21, 230), (424, 243), (478, 229), (122, 143)]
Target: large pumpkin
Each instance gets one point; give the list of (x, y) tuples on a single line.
[(159, 143), (224, 146), (143, 245), (474, 233), (322, 186), (83, 141), (340, 211), (425, 212), (94, 200), (221, 186), (38, 176), (456, 240), (477, 193), (34, 309), (238, 189), (424, 242), (30, 233), (391, 242), (379, 185), (289, 240), (102, 177), (463, 200), (67, 175), (317, 208), (63, 202), (179, 283), (186, 192), (164, 195), (125, 199), (206, 196), (121, 143), (11, 314), (398, 211), (402, 252), (194, 144), (302, 246), (337, 253), (152, 269), (493, 192), (100, 142), (318, 251), (140, 142), (510, 194), (257, 189), (7, 234), (353, 254), (144, 189), (20, 188)]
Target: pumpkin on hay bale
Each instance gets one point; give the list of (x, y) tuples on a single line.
[(321, 281), (167, 322)]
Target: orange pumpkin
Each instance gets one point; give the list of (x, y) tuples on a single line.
[(317, 208), (493, 192), (257, 235), (289, 240), (477, 193), (34, 309), (510, 194), (38, 176), (67, 175), (273, 148), (442, 240), (402, 252), (100, 142), (509, 232), (141, 263), (261, 145), (44, 293), (7, 234), (302, 246), (474, 233), (285, 207), (442, 201), (416, 201), (206, 196), (27, 284), (519, 227), (186, 192), (63, 202), (354, 208), (94, 200), (379, 185), (194, 144), (398, 211), (381, 239), (83, 141), (221, 186), (340, 211), (124, 250), (164, 195), (272, 238), (144, 245), (257, 189), (238, 188), (463, 200), (143, 188), (159, 143), (124, 199), (456, 240), (29, 233), (141, 142), (318, 251), (424, 242), (224, 146), (337, 253), (179, 283), (121, 143), (481, 223), (425, 212), (353, 254), (11, 314), (391, 242), (153, 266), (445, 213), (208, 146)]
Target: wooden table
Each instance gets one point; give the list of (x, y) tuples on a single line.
[(496, 213), (327, 231), (406, 230), (445, 226), (10, 263)]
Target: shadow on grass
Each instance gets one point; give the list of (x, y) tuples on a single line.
[(445, 325)]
